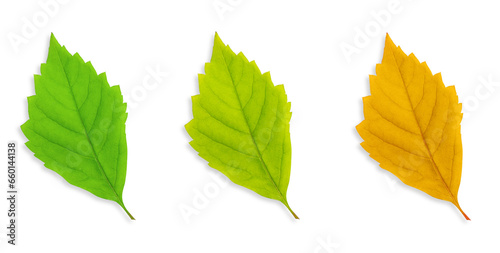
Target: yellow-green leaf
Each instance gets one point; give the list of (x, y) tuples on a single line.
[(241, 124)]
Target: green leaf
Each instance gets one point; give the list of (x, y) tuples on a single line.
[(241, 125), (76, 125)]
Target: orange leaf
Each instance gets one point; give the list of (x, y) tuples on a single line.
[(412, 125)]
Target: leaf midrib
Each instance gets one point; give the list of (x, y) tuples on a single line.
[(431, 157), (85, 131), (283, 198)]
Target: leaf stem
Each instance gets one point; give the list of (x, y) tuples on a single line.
[(459, 208), (290, 209), (125, 209)]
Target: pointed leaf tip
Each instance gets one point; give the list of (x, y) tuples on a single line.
[(53, 39), (389, 42), (218, 41)]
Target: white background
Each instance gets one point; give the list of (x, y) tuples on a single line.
[(346, 202)]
